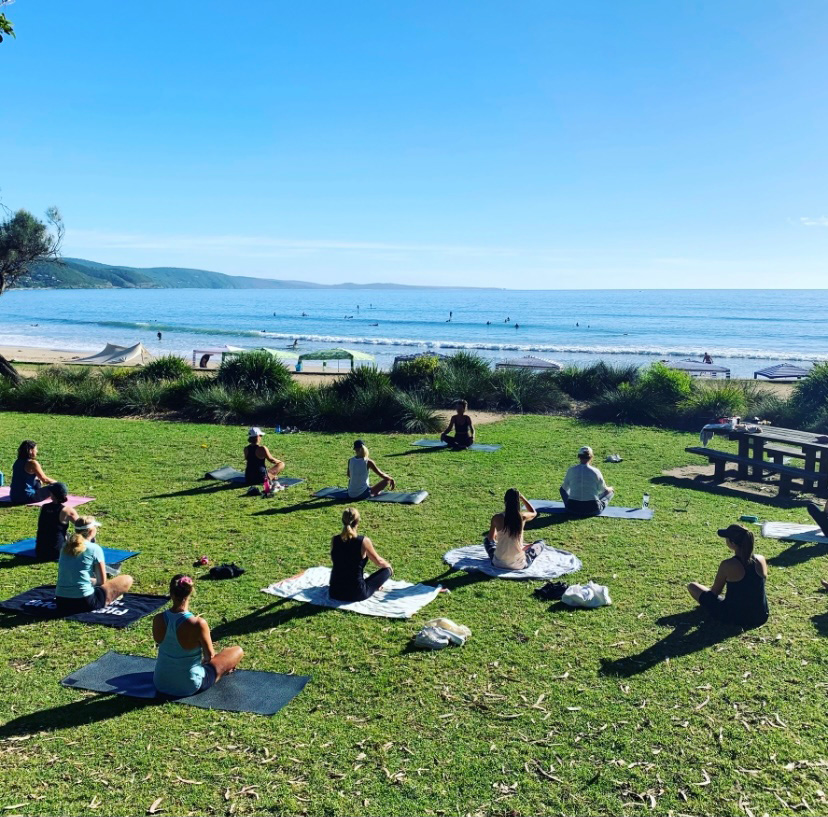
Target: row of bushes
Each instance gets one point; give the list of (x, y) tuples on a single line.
[(256, 388)]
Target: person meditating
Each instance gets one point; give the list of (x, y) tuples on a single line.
[(744, 576), (29, 482), (53, 523), (256, 456), (584, 491), (82, 585), (358, 467), (350, 553), (187, 662), (463, 428), (504, 542)]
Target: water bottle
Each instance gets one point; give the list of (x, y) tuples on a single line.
[(277, 430), (645, 501), (266, 487), (2, 479)]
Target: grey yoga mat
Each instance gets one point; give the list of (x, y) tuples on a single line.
[(229, 474), (399, 497), (472, 447), (611, 511), (264, 693)]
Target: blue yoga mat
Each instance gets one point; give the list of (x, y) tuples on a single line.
[(264, 693), (611, 511), (26, 547)]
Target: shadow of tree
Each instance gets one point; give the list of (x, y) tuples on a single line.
[(703, 483), (460, 578), (820, 622), (264, 618)]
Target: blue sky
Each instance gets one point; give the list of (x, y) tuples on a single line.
[(531, 145)]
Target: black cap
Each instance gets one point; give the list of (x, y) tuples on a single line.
[(737, 534), (59, 490), (359, 444)]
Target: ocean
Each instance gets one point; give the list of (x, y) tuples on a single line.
[(744, 330)]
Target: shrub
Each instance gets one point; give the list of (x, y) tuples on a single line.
[(220, 404), (770, 406), (258, 372), (117, 378), (361, 380), (416, 416), (142, 397), (588, 382), (463, 376), (525, 391), (416, 375), (709, 402), (47, 392), (167, 367), (95, 397), (810, 395), (177, 392), (321, 409), (622, 405)]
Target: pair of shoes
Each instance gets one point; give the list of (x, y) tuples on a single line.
[(551, 591), (253, 490)]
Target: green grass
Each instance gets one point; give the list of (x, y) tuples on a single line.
[(520, 721)]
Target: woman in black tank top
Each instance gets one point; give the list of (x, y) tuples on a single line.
[(463, 428), (256, 458), (743, 577), (349, 554), (53, 523)]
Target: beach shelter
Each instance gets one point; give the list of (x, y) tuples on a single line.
[(529, 362), (784, 371), (208, 352), (113, 355), (280, 354), (697, 369), (335, 354)]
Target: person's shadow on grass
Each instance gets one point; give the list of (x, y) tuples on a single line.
[(798, 552), (271, 615), (690, 633), (198, 490), (308, 505)]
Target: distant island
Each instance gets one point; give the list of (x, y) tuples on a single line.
[(76, 273)]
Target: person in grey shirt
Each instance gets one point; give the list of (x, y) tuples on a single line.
[(584, 491)]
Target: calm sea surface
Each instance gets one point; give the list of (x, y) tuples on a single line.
[(742, 330)]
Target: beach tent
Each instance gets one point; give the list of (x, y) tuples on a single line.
[(112, 355), (335, 354), (697, 369), (784, 371), (215, 350), (529, 362)]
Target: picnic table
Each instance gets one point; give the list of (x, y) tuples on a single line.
[(755, 446)]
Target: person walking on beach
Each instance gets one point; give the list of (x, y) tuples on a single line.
[(584, 491), (706, 358), (159, 336)]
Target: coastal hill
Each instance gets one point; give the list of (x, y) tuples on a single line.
[(76, 273)]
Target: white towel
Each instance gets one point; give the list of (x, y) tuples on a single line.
[(395, 600), (549, 564), (785, 530)]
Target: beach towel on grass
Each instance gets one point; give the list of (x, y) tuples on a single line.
[(611, 511), (40, 603), (793, 532), (71, 502), (549, 564), (472, 447), (264, 693), (395, 600), (399, 497), (26, 547)]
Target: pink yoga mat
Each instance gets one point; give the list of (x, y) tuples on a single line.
[(72, 502)]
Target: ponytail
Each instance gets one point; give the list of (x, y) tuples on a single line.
[(75, 545), (350, 520)]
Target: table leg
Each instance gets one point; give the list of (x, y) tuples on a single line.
[(744, 451), (758, 455)]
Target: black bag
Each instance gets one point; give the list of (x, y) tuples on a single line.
[(225, 571), (551, 591)]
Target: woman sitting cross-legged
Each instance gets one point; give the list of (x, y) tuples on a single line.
[(349, 554), (744, 576), (358, 467), (29, 482), (504, 542), (256, 457), (53, 523), (82, 585), (187, 662)]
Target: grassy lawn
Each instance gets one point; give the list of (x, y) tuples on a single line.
[(546, 710)]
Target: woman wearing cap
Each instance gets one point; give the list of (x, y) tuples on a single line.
[(504, 542), (53, 523), (81, 583), (256, 456), (349, 554), (29, 482), (584, 491), (743, 575), (187, 661), (358, 467)]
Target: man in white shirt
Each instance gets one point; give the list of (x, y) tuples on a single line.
[(584, 491)]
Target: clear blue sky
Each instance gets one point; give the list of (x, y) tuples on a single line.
[(537, 144)]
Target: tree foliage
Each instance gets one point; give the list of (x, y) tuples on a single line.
[(6, 26), (25, 239)]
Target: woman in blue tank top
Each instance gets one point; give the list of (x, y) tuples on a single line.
[(187, 662), (28, 482)]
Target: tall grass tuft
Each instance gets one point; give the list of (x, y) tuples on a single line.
[(525, 391), (589, 382), (416, 416), (167, 367), (257, 372)]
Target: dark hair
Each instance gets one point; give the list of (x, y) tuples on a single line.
[(181, 586), (25, 449), (744, 547), (464, 404), (512, 517)]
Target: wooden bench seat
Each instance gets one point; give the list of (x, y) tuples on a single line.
[(787, 473), (778, 452)]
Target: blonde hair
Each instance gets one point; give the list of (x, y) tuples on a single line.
[(76, 543), (350, 520), (361, 452)]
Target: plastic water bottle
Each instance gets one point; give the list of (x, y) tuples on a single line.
[(2, 479), (645, 501), (277, 430)]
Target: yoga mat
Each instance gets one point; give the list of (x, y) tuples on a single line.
[(400, 497), (40, 602), (71, 502), (263, 693), (791, 530), (611, 511), (228, 474), (26, 547), (472, 447), (550, 564), (395, 600)]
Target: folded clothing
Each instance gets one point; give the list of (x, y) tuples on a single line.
[(586, 595)]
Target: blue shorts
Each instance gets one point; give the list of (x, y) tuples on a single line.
[(210, 675)]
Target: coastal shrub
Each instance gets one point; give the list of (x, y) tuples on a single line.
[(416, 416), (707, 403), (258, 372), (117, 378), (463, 376), (142, 397), (321, 409), (588, 382), (216, 403), (626, 404), (778, 410), (416, 375), (95, 397), (177, 391), (361, 380), (525, 391), (167, 367), (810, 395), (46, 392)]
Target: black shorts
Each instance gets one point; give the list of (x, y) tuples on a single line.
[(210, 675), (718, 608), (86, 604)]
